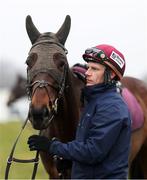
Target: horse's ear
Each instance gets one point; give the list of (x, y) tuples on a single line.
[(32, 31), (64, 30)]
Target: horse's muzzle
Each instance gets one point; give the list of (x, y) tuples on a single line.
[(39, 117)]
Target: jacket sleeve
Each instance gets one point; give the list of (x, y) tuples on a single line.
[(104, 129)]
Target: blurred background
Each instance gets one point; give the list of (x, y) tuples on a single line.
[(121, 23)]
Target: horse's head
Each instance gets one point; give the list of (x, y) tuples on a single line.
[(18, 90), (46, 72)]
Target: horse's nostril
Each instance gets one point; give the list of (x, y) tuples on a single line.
[(46, 113), (38, 117), (38, 113)]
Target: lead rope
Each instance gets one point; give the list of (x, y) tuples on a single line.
[(13, 159)]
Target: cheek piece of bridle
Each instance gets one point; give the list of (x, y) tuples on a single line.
[(52, 108)]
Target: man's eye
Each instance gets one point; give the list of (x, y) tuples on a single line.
[(95, 69)]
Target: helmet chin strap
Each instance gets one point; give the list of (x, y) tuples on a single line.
[(107, 76)]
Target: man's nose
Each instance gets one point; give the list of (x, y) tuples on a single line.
[(87, 72)]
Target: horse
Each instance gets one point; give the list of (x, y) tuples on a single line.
[(55, 94), (54, 89), (18, 90), (138, 153)]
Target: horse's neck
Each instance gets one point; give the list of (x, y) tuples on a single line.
[(69, 111), (73, 97)]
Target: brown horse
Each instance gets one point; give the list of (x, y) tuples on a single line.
[(138, 154), (18, 90), (54, 90), (55, 93)]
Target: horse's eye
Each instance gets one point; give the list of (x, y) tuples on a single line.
[(31, 60), (59, 60)]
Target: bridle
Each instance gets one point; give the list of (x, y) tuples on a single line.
[(60, 87), (39, 84), (52, 107)]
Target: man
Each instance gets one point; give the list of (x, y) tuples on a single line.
[(101, 147)]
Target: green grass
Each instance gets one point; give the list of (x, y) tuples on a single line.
[(8, 133)]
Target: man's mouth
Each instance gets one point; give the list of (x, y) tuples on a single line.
[(88, 81)]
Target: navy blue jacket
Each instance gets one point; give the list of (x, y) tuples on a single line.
[(101, 147)]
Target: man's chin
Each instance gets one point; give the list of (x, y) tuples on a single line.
[(89, 84)]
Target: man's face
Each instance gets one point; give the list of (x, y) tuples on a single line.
[(94, 74)]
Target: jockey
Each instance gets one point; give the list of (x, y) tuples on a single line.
[(102, 143)]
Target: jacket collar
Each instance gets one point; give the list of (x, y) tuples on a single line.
[(93, 91)]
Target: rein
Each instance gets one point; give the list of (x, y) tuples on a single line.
[(11, 158)]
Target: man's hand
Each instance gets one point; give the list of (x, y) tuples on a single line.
[(39, 143)]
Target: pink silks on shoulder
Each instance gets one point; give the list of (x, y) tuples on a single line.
[(135, 109)]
